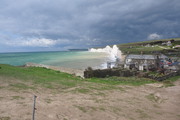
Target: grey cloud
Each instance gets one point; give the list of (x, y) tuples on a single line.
[(90, 23)]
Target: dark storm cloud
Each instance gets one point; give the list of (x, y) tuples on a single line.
[(63, 24)]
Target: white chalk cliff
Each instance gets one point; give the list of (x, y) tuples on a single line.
[(113, 52)]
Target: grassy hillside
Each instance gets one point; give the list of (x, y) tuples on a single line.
[(138, 47), (54, 79), (149, 41), (64, 96)]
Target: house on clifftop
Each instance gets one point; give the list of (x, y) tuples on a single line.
[(144, 62)]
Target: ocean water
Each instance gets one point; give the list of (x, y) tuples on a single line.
[(69, 59)]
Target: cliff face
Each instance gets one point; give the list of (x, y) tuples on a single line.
[(114, 52)]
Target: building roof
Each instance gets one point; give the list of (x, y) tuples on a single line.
[(177, 46), (150, 57)]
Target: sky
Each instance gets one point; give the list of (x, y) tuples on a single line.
[(56, 25)]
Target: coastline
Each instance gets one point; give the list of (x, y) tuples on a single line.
[(75, 60), (72, 71), (112, 54), (107, 54)]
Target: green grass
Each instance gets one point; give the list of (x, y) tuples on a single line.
[(86, 108), (21, 86), (116, 110), (100, 94), (5, 118), (139, 49), (36, 75), (148, 41), (83, 109), (32, 77), (135, 81), (175, 78), (178, 116), (152, 98), (1, 98), (142, 114), (136, 48), (102, 108), (81, 90), (1, 87), (170, 82), (17, 97), (47, 100)]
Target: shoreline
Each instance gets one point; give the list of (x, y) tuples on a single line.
[(72, 71), (80, 60)]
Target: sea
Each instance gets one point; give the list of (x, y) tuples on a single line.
[(69, 59)]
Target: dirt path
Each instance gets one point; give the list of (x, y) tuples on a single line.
[(147, 102)]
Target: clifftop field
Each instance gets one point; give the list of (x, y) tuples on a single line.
[(62, 96), (148, 47)]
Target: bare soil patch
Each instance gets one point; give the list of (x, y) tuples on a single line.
[(146, 102)]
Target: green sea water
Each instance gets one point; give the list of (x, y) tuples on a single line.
[(69, 59)]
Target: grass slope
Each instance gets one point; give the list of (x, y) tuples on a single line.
[(137, 48), (38, 75), (54, 79)]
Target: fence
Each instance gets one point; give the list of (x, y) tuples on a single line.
[(108, 72)]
